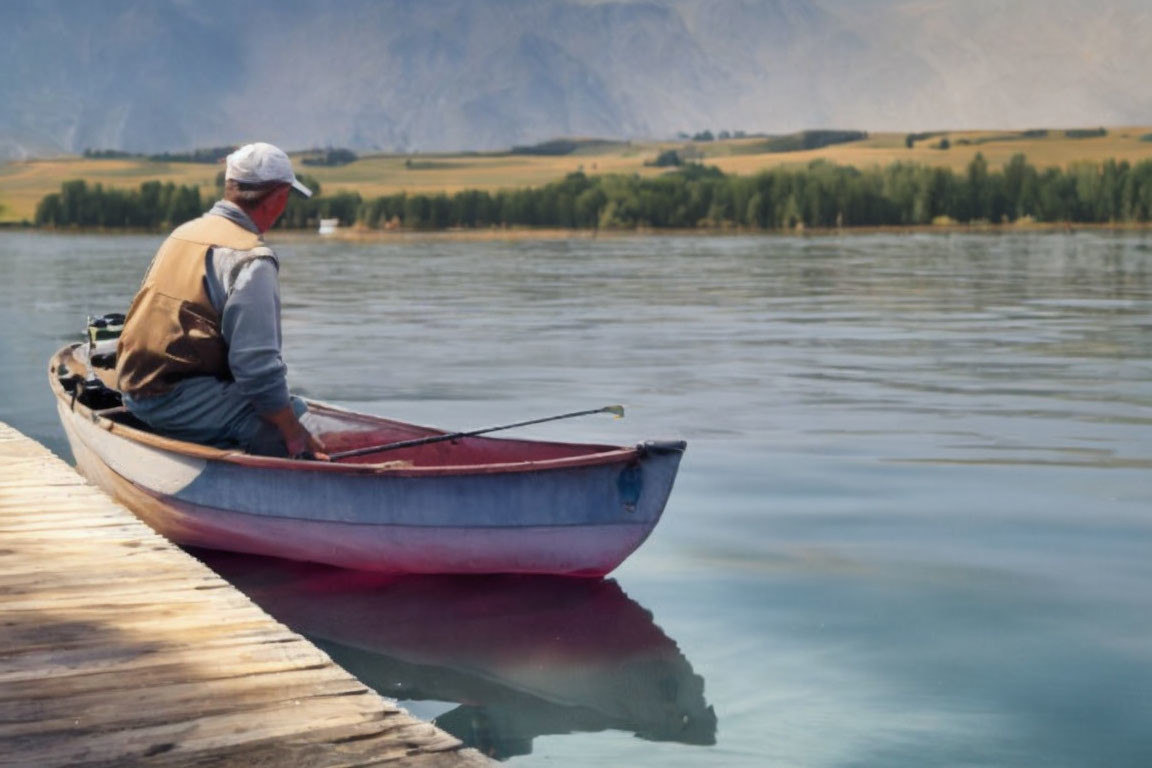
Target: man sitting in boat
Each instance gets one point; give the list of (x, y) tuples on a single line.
[(199, 358)]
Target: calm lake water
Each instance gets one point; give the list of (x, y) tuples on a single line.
[(913, 526)]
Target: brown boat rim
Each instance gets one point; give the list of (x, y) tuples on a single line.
[(597, 454)]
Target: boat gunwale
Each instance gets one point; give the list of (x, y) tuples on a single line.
[(598, 456)]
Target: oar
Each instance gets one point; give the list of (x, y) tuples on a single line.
[(615, 410)]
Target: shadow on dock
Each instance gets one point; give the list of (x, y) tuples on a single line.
[(523, 656)]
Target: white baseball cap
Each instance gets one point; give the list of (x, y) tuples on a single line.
[(261, 163)]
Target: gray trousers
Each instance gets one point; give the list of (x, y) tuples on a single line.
[(206, 410)]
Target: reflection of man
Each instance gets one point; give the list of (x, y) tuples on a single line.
[(199, 358)]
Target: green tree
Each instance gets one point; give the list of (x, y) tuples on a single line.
[(49, 211)]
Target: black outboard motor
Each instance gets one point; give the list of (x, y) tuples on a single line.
[(93, 393), (103, 334), (67, 379)]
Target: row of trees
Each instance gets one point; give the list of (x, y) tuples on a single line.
[(156, 205), (330, 157), (806, 140), (707, 135), (912, 139), (818, 195), (153, 206), (207, 155)]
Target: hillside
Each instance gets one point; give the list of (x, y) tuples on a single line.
[(23, 184), (398, 76)]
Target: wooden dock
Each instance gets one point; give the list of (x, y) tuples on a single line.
[(117, 648)]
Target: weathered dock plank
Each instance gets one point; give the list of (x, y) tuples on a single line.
[(118, 649)]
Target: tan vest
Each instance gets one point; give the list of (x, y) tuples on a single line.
[(172, 330)]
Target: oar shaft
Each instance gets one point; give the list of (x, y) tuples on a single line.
[(616, 409)]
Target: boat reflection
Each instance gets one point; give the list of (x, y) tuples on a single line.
[(524, 656)]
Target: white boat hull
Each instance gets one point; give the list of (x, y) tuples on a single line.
[(579, 520)]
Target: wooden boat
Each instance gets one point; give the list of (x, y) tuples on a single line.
[(471, 505)]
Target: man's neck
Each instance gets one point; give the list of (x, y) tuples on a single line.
[(235, 214)]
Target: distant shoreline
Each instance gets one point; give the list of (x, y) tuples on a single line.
[(365, 235), (23, 185), (527, 233)]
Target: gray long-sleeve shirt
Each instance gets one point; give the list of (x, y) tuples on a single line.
[(244, 287)]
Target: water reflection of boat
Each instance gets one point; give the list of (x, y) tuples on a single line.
[(523, 655)]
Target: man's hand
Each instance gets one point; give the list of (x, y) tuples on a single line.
[(300, 441), (302, 444)]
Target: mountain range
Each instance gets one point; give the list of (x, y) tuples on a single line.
[(428, 75)]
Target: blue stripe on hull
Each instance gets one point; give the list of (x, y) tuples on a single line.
[(592, 495)]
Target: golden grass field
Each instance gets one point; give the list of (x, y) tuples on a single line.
[(23, 184)]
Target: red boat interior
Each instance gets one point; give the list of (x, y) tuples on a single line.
[(344, 431), (347, 431)]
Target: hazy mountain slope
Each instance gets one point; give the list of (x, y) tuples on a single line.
[(459, 74), (115, 74), (1007, 64)]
